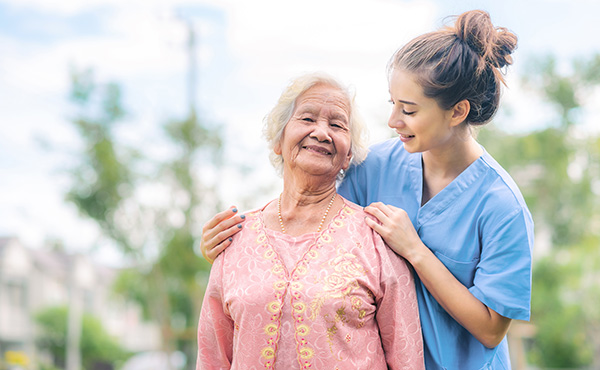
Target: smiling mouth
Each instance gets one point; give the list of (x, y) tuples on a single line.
[(318, 149), (406, 136)]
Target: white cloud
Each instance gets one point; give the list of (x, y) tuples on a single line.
[(273, 38), (74, 7)]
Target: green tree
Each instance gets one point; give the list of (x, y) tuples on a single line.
[(102, 179), (157, 237), (558, 170), (96, 344)]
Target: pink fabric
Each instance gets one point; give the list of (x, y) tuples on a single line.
[(339, 299)]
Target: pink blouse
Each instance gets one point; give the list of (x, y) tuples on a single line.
[(338, 299)]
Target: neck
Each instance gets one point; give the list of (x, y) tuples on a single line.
[(299, 198), (307, 189), (301, 211), (451, 161), (441, 167), (323, 218)]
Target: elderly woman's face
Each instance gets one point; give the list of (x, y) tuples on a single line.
[(317, 138)]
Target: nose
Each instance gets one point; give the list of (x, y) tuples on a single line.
[(395, 121), (320, 131)]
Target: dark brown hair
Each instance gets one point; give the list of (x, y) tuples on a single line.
[(460, 62)]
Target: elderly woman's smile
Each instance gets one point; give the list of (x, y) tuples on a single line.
[(318, 149)]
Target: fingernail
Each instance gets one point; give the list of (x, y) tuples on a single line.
[(230, 239), (234, 210), (243, 217), (239, 226)]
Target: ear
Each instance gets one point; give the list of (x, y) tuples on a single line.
[(460, 111), (347, 160), (277, 148)]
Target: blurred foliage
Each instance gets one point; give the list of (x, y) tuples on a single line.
[(96, 344), (102, 179), (558, 171), (157, 231)]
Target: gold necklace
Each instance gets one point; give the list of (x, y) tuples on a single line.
[(322, 219)]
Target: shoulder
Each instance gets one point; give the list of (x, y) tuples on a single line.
[(381, 157), (502, 197), (352, 219), (389, 145), (253, 221), (354, 213), (253, 215), (358, 214), (250, 227), (501, 185), (362, 233), (381, 153), (387, 150)]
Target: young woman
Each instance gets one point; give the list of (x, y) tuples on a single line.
[(442, 202)]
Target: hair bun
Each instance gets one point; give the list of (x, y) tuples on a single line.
[(493, 44)]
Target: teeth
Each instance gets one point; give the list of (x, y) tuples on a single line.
[(319, 150)]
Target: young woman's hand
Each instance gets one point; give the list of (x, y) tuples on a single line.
[(395, 228), (217, 232)]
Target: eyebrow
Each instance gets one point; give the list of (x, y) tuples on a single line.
[(340, 115), (306, 106), (407, 102), (403, 101)]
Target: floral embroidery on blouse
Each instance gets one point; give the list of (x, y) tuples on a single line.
[(339, 283)]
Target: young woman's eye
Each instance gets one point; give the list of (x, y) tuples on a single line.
[(408, 113)]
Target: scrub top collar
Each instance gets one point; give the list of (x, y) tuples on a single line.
[(448, 195)]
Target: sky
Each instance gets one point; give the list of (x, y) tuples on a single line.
[(246, 52)]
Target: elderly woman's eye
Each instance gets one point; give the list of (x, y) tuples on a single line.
[(339, 126), (307, 119)]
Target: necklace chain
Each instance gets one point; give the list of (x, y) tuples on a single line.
[(322, 219)]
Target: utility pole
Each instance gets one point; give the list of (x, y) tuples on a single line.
[(73, 350), (192, 76), (192, 71)]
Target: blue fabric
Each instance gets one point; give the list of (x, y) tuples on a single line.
[(478, 226)]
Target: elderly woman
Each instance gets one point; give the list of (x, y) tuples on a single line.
[(306, 283)]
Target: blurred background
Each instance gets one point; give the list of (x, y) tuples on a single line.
[(125, 125)]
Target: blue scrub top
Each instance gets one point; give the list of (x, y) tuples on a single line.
[(480, 229)]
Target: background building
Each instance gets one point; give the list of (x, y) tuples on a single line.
[(34, 279)]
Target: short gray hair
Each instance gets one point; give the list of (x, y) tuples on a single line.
[(280, 115)]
